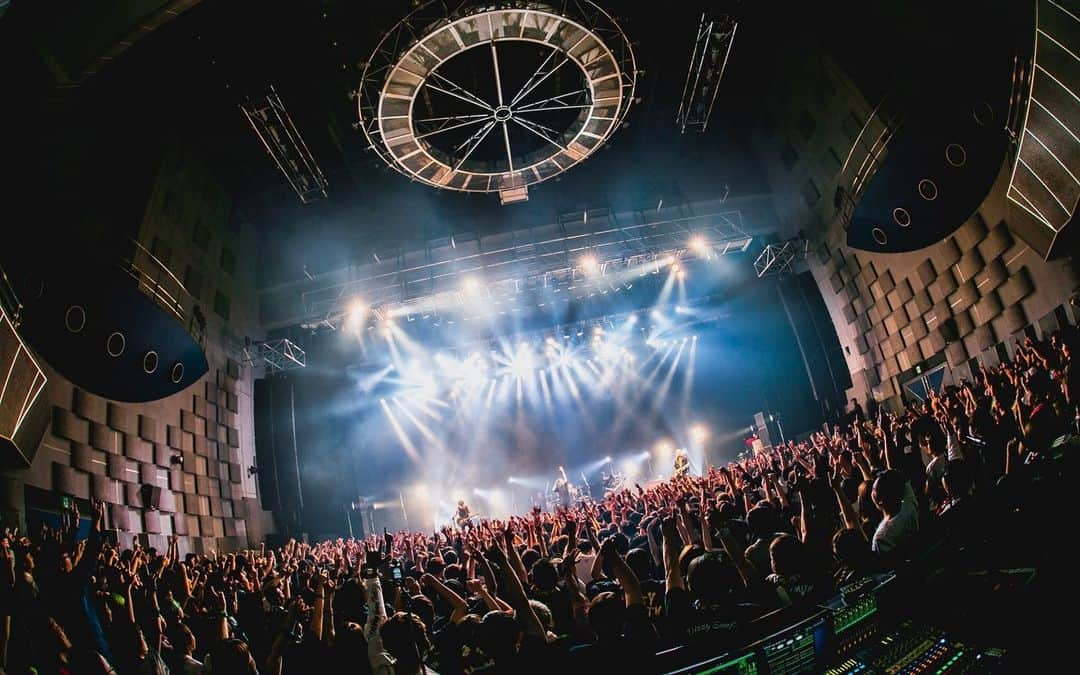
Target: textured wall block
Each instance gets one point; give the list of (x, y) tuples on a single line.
[(153, 475), (174, 437), (965, 296), (202, 485), (121, 468), (849, 313), (151, 521), (187, 421), (1013, 320), (923, 301), (970, 233), (138, 449), (964, 324), (66, 424), (234, 437), (69, 481), (200, 465), (984, 338), (210, 391), (104, 438), (150, 430), (942, 287), (163, 454), (986, 308), (88, 460), (236, 491), (201, 446), (991, 276), (211, 415), (997, 241), (176, 480), (106, 489), (213, 468), (88, 406), (180, 525), (167, 503), (232, 403), (1016, 288), (198, 405), (122, 419), (926, 273), (192, 525), (188, 483), (968, 266), (947, 253), (120, 517), (956, 354), (133, 495)]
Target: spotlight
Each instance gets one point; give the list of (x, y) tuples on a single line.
[(471, 286), (655, 314), (632, 319), (680, 273), (699, 245), (590, 265), (357, 311), (608, 459), (511, 480), (664, 447), (698, 433)]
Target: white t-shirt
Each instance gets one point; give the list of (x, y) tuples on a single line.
[(898, 531)]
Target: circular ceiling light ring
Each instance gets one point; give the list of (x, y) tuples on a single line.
[(983, 113), (955, 155), (928, 189), (177, 372), (879, 236), (150, 362), (115, 344), (901, 216), (75, 319), (400, 69)]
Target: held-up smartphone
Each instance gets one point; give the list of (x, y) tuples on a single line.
[(396, 574)]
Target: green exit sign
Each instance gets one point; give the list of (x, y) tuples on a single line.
[(65, 502)]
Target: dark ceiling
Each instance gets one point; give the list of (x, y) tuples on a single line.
[(190, 76)]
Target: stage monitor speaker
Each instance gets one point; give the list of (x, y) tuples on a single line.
[(24, 412), (150, 496), (761, 428), (950, 331)]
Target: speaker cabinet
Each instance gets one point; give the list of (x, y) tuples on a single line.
[(24, 412)]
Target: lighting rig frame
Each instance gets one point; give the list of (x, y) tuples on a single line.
[(283, 142), (502, 266), (276, 356), (712, 47), (780, 258)]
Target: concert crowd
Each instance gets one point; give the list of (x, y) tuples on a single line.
[(598, 584)]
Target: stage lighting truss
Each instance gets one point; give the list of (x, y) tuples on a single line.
[(274, 127), (780, 258), (712, 46), (275, 355), (467, 274), (495, 97)]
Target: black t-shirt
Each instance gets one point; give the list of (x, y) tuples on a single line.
[(720, 626), (632, 652), (652, 596)]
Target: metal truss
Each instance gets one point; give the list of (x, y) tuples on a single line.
[(285, 146), (780, 258), (275, 355), (431, 277), (596, 82), (712, 46)]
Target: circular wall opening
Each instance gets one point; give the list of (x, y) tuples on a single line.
[(928, 189), (983, 113), (955, 154), (901, 216), (150, 362), (879, 236), (177, 373), (75, 319), (115, 344)]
